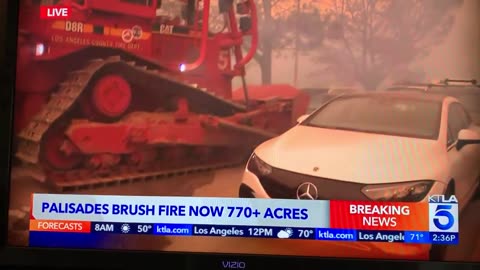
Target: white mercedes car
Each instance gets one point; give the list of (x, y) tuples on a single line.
[(383, 146)]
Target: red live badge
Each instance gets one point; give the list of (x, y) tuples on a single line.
[(54, 12)]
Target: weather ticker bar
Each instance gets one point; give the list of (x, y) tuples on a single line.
[(325, 234), (94, 217)]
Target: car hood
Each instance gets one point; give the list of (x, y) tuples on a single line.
[(354, 156)]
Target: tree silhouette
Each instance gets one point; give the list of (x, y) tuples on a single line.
[(280, 24), (371, 40)]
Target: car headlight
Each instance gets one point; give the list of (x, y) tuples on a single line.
[(403, 192), (258, 166)]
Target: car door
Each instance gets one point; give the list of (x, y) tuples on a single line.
[(464, 162)]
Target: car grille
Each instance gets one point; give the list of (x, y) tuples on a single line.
[(282, 184)]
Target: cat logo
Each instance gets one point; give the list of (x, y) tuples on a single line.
[(166, 29)]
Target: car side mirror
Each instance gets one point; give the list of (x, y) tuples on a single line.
[(302, 118), (467, 136)]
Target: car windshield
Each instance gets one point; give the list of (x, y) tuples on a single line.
[(382, 115)]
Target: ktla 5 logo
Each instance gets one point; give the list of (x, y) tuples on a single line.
[(443, 214)]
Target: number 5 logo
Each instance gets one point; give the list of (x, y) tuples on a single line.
[(442, 213), (223, 60)]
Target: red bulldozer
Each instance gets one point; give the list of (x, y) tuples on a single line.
[(129, 90)]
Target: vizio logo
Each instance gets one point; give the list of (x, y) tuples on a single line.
[(443, 217), (233, 265)]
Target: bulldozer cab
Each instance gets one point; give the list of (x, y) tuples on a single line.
[(176, 12), (198, 26), (182, 34), (189, 13)]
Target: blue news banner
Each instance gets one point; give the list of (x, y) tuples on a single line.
[(327, 234)]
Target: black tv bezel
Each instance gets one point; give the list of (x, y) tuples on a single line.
[(121, 259)]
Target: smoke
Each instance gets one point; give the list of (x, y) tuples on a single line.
[(456, 56)]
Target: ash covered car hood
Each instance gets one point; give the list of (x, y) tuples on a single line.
[(354, 156)]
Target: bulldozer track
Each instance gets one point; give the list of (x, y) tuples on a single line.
[(63, 101), (81, 180), (137, 177)]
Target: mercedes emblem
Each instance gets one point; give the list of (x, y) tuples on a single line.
[(307, 191)]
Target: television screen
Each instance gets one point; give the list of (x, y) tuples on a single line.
[(292, 128)]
